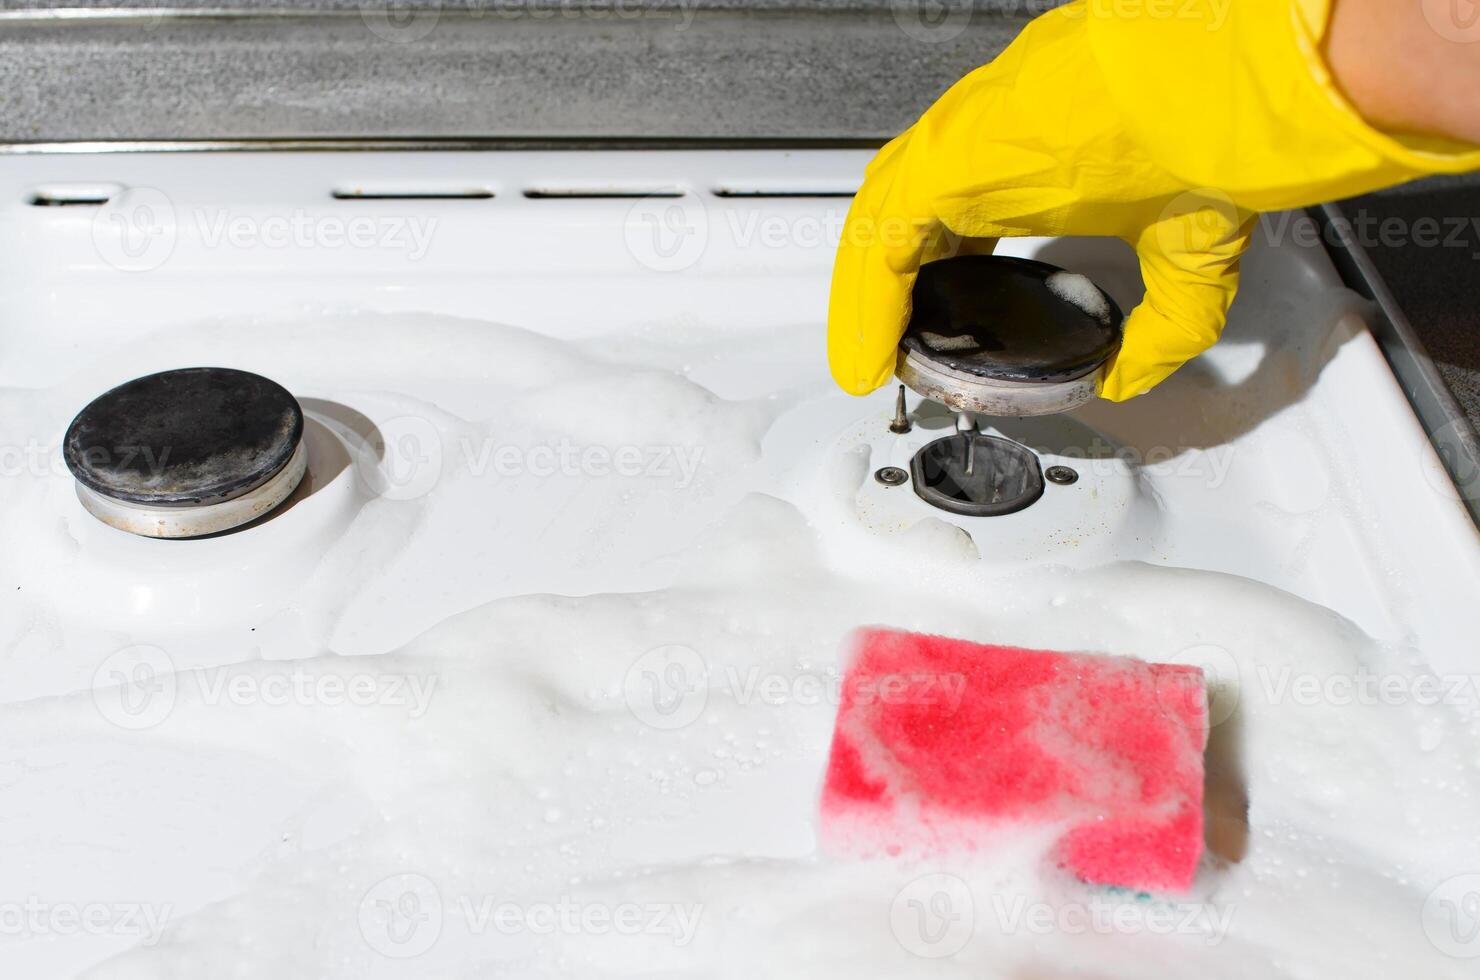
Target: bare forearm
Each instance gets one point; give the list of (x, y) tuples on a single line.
[(1410, 66)]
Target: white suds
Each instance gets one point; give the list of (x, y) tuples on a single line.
[(565, 719), (938, 342), (1074, 288)]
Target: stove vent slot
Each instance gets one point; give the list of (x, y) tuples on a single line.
[(579, 193), (72, 195), (762, 193), (411, 194)]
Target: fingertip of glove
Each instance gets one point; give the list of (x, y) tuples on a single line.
[(856, 376), (1119, 385)]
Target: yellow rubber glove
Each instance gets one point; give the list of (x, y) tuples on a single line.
[(1169, 130)]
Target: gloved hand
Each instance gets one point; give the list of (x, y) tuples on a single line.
[(1170, 132)]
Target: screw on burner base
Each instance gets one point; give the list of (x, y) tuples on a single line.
[(891, 476)]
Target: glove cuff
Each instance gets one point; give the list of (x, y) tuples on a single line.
[(1235, 95)]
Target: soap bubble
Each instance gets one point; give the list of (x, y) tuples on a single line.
[(934, 916), (401, 916), (134, 688)]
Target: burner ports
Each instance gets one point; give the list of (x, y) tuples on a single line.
[(977, 475)]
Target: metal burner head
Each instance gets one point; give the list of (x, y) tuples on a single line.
[(977, 475), (1006, 336), (186, 452)]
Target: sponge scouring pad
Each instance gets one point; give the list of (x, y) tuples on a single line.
[(935, 733)]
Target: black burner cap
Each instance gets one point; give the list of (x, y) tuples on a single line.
[(189, 436), (1011, 319)]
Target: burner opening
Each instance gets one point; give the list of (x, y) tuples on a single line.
[(977, 475)]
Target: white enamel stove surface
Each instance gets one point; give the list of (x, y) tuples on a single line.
[(602, 428)]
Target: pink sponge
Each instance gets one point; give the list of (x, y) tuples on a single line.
[(940, 733)]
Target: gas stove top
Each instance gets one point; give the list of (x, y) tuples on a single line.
[(573, 460)]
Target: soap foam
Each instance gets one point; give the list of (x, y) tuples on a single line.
[(1081, 292), (1349, 821), (542, 770), (939, 342)]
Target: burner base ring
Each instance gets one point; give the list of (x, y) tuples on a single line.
[(194, 520), (986, 396)]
